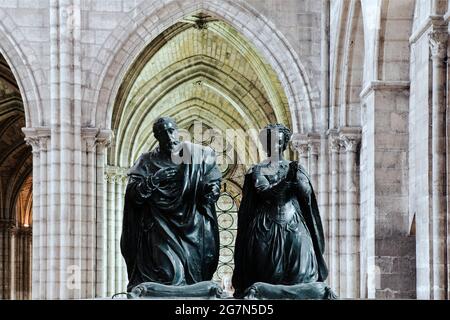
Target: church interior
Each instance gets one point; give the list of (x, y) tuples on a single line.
[(362, 84)]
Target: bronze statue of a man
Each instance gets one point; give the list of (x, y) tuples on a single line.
[(170, 233)]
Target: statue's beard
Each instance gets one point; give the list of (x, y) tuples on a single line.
[(171, 146)]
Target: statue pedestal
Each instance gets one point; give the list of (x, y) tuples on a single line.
[(201, 290), (210, 290)]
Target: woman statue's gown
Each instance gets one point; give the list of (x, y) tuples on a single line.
[(280, 235)]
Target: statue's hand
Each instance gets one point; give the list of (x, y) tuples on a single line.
[(163, 175), (211, 192)]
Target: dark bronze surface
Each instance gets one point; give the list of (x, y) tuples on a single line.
[(280, 237), (170, 232)]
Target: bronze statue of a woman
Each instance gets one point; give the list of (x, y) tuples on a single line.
[(280, 241)]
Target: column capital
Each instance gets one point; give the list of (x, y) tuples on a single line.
[(350, 138), (306, 143), (438, 39), (116, 174), (300, 143), (314, 141), (334, 141), (37, 138), (110, 176), (23, 230)]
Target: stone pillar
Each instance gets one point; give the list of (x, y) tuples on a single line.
[(38, 139), (21, 280), (94, 147), (102, 141), (325, 61), (82, 247), (121, 275), (438, 46), (323, 196), (5, 259), (12, 262), (350, 138), (333, 240), (314, 148), (28, 243), (110, 179), (301, 145), (308, 145)]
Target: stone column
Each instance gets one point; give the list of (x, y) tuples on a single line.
[(301, 145), (314, 147), (95, 142), (28, 243), (387, 248), (350, 138), (438, 46), (308, 145), (322, 192), (121, 275), (102, 141), (12, 262), (325, 61), (22, 263), (334, 149), (110, 177)]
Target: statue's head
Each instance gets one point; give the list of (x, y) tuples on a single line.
[(166, 132), (275, 137)]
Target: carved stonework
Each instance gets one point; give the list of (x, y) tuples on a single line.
[(334, 143), (350, 143), (314, 144), (438, 43), (350, 138), (37, 138), (110, 176), (303, 149), (6, 225), (300, 144), (34, 143), (116, 175)]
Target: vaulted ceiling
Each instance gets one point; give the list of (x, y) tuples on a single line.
[(208, 73)]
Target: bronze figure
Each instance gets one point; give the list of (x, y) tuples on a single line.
[(170, 233), (280, 238)]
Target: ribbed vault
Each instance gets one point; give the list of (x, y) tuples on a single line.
[(192, 74)]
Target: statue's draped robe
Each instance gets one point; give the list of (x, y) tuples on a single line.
[(170, 235), (278, 252)]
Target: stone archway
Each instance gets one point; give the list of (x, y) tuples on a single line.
[(20, 58), (15, 191)]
